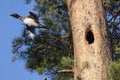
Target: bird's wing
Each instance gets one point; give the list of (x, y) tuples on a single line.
[(34, 16), (31, 32)]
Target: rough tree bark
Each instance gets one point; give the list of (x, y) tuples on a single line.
[(91, 39)]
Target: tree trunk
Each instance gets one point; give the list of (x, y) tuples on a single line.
[(91, 41)]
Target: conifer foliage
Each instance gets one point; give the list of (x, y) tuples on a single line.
[(52, 50)]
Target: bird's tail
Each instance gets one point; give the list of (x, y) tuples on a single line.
[(42, 26)]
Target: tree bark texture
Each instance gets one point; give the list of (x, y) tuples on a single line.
[(91, 39)]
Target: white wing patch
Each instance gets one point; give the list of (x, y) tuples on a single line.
[(32, 35), (30, 22)]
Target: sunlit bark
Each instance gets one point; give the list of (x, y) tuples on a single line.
[(90, 38)]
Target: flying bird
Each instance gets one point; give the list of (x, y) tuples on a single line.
[(31, 22)]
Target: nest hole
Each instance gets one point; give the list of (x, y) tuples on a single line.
[(89, 37)]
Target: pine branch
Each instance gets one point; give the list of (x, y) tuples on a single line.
[(64, 17), (65, 71), (53, 43), (115, 15)]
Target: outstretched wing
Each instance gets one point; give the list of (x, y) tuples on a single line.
[(31, 31), (34, 16)]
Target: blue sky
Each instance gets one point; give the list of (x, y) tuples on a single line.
[(9, 29)]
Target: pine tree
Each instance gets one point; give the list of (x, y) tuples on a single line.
[(91, 39)]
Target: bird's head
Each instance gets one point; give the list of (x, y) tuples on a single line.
[(15, 15)]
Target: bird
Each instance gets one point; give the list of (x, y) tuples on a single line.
[(31, 22)]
